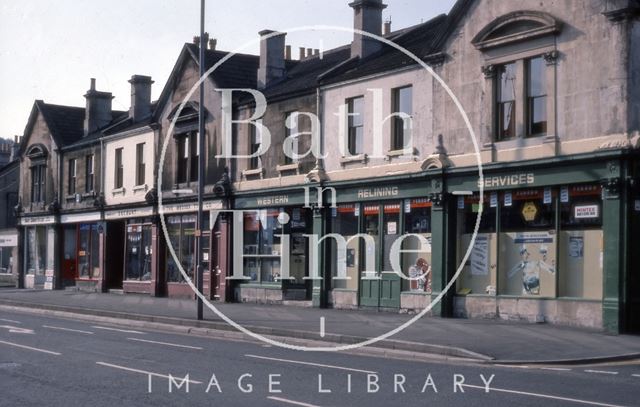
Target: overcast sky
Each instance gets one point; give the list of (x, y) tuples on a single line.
[(50, 48)]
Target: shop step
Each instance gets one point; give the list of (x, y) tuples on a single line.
[(294, 303), (116, 291)]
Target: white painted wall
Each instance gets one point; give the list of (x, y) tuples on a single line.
[(132, 193)]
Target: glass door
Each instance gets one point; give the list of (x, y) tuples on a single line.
[(390, 283), (369, 279)]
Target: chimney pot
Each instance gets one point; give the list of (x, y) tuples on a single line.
[(316, 51), (213, 43), (196, 40), (93, 84), (287, 52), (387, 28), (309, 52), (302, 52)]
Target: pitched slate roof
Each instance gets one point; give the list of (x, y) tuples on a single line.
[(66, 123)]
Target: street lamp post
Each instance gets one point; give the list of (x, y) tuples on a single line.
[(201, 137)]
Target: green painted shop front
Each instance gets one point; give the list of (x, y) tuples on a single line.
[(371, 215), (564, 227)]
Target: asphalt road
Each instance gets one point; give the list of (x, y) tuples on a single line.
[(47, 361)]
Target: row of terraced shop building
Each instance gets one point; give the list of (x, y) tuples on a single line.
[(556, 131)]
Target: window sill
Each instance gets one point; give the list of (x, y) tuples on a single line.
[(288, 167), (118, 191), (520, 142), (360, 158), (91, 194), (70, 198), (405, 152), (138, 188), (253, 172)]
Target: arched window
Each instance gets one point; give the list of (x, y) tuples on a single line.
[(520, 50)]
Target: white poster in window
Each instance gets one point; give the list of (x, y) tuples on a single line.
[(586, 211), (334, 212), (392, 228), (494, 200), (356, 212), (576, 247), (508, 199), (479, 258), (547, 196), (461, 202), (564, 194)]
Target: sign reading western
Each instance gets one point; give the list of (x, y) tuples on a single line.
[(513, 180), (586, 211), (129, 213), (272, 200), (38, 220)]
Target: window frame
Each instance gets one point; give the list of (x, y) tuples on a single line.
[(89, 169), (140, 164), (72, 176), (529, 99), (118, 180), (397, 125), (38, 185), (352, 129), (187, 153)]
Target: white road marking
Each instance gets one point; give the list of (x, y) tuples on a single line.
[(600, 371), (127, 331), (295, 403), (513, 366), (298, 362), (17, 345), (165, 343), (16, 330), (59, 328), (558, 369), (322, 327), (11, 321), (544, 396), (635, 375), (129, 369)]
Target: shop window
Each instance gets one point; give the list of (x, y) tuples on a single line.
[(181, 230), (527, 255), (344, 222), (89, 173), (36, 250), (355, 135), (119, 170), (402, 110), (140, 164), (536, 97), (6, 260), (479, 272), (371, 227), (38, 177), (506, 101), (581, 242), (262, 249), (88, 251), (138, 253), (187, 160), (417, 265), (72, 177)]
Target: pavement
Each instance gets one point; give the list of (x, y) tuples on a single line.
[(484, 340)]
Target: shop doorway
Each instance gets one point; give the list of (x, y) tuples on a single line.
[(114, 255), (68, 264), (632, 311), (380, 287)]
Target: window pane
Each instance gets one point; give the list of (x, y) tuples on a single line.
[(507, 79), (536, 82), (356, 111), (507, 120)]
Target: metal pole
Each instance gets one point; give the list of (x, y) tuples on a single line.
[(201, 137)]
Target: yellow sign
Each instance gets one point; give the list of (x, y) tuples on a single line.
[(529, 211)]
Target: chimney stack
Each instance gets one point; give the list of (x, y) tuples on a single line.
[(140, 97), (367, 18), (387, 28), (272, 66), (213, 43), (287, 52), (309, 52), (98, 109), (302, 53)]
